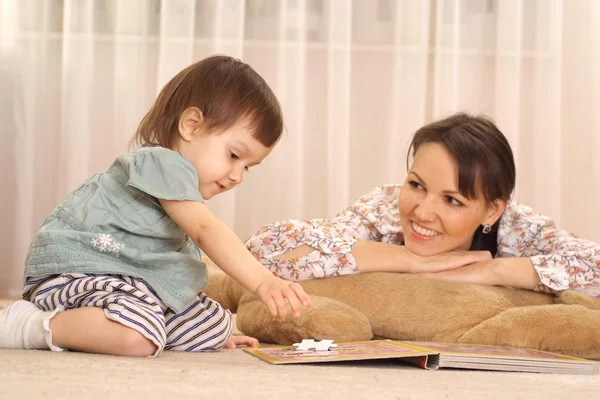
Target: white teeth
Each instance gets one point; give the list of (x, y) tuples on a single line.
[(424, 231)]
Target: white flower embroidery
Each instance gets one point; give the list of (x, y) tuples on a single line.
[(106, 244)]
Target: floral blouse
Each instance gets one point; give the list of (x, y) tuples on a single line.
[(562, 260)]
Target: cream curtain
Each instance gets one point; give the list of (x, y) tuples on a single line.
[(355, 78)]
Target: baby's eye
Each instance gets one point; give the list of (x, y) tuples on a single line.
[(452, 201), (234, 156), (247, 169)]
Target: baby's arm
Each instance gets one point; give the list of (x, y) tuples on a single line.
[(228, 252)]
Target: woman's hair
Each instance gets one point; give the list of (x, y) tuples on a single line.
[(485, 161), (226, 90)]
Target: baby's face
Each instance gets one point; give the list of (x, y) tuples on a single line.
[(221, 158)]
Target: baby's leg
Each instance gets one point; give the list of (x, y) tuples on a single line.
[(104, 314), (203, 326), (23, 325), (89, 330)]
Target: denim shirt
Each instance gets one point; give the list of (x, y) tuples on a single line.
[(114, 224)]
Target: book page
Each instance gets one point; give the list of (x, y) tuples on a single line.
[(494, 351), (367, 350)]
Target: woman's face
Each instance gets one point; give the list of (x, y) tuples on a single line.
[(435, 217)]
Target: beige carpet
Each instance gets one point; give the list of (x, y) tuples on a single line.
[(233, 374)]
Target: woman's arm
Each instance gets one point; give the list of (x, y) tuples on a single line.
[(368, 256), (387, 257), (300, 250), (365, 237), (514, 272), (534, 254), (561, 260)]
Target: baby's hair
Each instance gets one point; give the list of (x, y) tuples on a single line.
[(226, 90)]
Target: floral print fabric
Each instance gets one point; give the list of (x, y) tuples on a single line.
[(562, 260)]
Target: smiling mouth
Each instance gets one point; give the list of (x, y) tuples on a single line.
[(423, 231)]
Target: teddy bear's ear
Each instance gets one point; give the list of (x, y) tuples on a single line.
[(326, 319)]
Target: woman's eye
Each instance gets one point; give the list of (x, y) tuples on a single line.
[(234, 156), (452, 201), (415, 184)]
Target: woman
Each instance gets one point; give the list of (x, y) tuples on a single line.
[(452, 219)]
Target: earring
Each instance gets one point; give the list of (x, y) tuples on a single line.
[(486, 229)]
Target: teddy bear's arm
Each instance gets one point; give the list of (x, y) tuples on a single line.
[(574, 329)]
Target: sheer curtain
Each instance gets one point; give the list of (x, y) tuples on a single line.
[(355, 79)]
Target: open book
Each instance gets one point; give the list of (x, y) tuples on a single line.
[(434, 356)]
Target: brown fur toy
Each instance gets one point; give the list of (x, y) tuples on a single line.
[(410, 307)]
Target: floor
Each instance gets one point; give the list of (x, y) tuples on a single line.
[(234, 374)]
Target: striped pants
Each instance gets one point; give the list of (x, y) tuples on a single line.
[(202, 326)]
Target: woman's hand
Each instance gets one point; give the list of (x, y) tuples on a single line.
[(388, 257), (480, 273), (274, 291), (456, 259)]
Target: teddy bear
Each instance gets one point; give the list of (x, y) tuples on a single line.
[(411, 307)]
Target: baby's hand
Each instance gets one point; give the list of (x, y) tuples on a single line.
[(274, 291)]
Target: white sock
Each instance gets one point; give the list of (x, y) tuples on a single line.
[(24, 326)]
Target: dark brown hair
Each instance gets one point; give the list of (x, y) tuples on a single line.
[(226, 90), (485, 161)]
